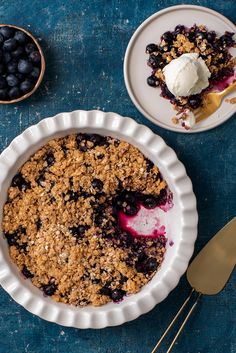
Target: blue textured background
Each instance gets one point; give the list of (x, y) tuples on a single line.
[(84, 44)]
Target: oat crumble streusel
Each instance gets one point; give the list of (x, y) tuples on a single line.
[(61, 223)]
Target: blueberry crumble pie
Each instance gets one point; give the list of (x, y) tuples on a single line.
[(187, 64), (74, 219)]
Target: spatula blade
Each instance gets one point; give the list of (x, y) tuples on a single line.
[(211, 268)]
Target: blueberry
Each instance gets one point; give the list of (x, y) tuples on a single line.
[(20, 77), (98, 220), (18, 52), (25, 66), (123, 279), (117, 294), (130, 210), (167, 37), (20, 182), (97, 140), (22, 247), (12, 80), (211, 36), (83, 148), (139, 266), (166, 93), (153, 81), (6, 57), (27, 273), (154, 61), (6, 31), (191, 36), (12, 66), (195, 101), (34, 73), (35, 57), (100, 156), (26, 86), (21, 37), (96, 281), (97, 184), (49, 158), (12, 238), (10, 44), (162, 197), (79, 138), (38, 224), (3, 94), (149, 165), (151, 264), (3, 82), (105, 290), (14, 93), (227, 39), (1, 38), (40, 179), (150, 202), (151, 48), (78, 231), (179, 29), (73, 195), (147, 266), (49, 289), (29, 48), (118, 202), (2, 68), (201, 35), (129, 196)]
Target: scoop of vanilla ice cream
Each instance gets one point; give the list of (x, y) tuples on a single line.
[(186, 75)]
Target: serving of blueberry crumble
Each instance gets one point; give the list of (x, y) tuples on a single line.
[(70, 219), (189, 49)]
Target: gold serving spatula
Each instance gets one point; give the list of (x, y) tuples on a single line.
[(208, 273)]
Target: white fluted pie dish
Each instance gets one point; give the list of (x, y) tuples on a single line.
[(181, 219)]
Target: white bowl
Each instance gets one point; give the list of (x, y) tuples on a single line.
[(181, 220)]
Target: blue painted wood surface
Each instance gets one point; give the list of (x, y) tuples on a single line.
[(84, 44)]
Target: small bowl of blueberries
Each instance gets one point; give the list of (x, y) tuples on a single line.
[(22, 64)]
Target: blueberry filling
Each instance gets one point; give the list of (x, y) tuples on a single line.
[(25, 271), (72, 195), (151, 48), (49, 158), (12, 238), (78, 231), (20, 182), (49, 289), (150, 202), (117, 295), (153, 81), (38, 224), (97, 184), (41, 179), (94, 139), (147, 266)]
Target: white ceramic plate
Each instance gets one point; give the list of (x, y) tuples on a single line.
[(181, 221), (147, 99)]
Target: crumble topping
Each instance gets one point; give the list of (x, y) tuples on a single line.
[(211, 47), (61, 219)]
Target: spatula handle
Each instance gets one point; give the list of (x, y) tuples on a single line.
[(174, 320)]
